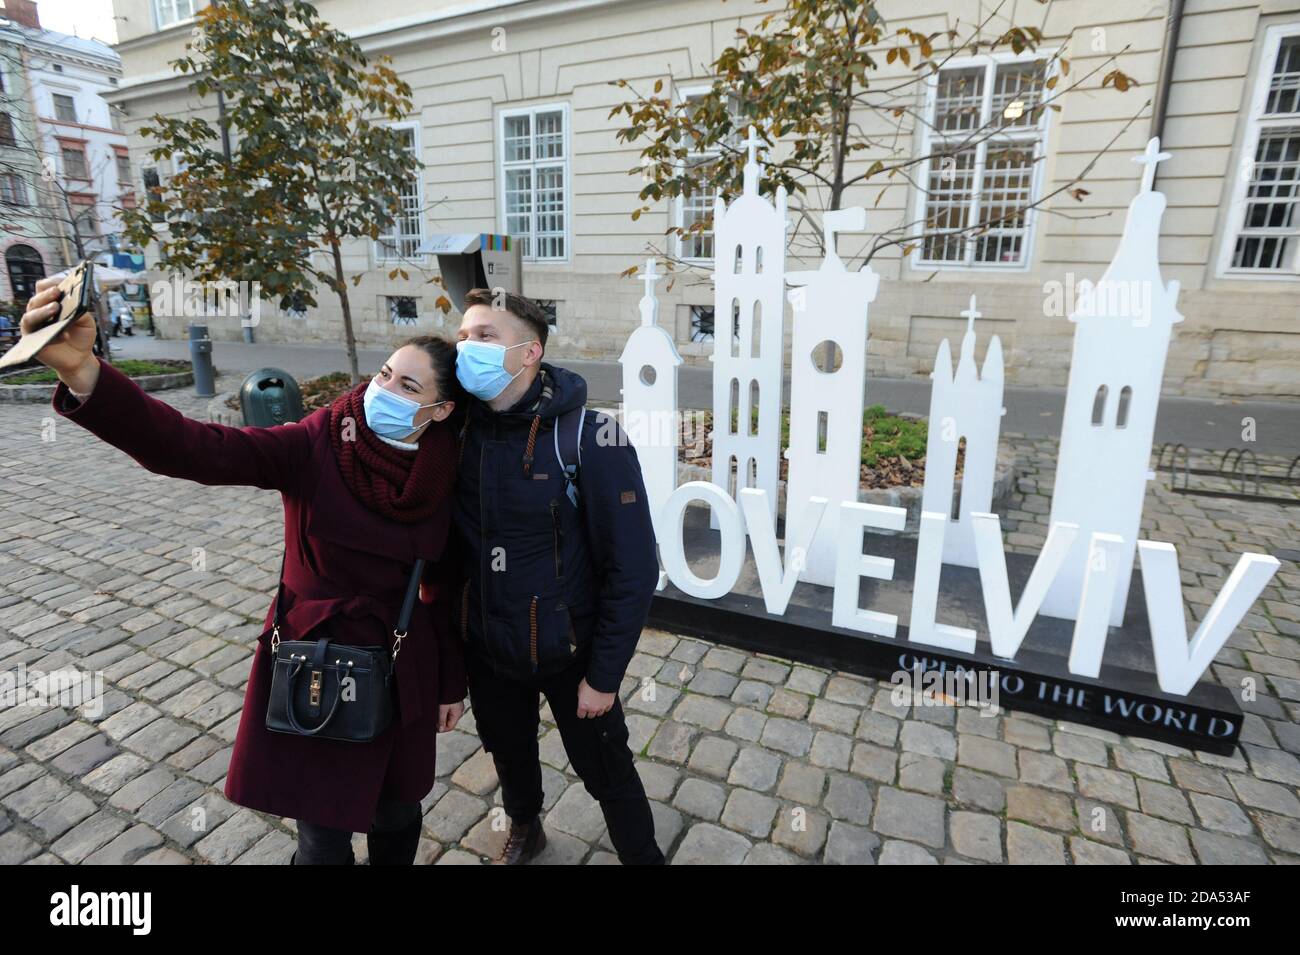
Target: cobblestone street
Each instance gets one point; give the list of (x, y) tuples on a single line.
[(747, 759)]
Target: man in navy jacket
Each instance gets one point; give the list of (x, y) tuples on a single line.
[(560, 570)]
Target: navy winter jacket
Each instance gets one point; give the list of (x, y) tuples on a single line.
[(546, 578)]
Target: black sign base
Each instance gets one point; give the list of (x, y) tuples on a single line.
[(1125, 699)]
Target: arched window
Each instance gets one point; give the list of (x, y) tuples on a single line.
[(740, 259), (734, 404), (733, 339), (751, 426), (1099, 406), (956, 492), (1121, 415), (758, 261), (25, 270), (756, 330)]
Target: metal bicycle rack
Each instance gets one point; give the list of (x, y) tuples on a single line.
[(1237, 466)]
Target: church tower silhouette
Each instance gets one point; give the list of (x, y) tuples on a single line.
[(1122, 328), (748, 336)]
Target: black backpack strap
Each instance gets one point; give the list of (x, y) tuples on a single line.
[(570, 423)]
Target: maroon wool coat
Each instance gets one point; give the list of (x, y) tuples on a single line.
[(341, 560)]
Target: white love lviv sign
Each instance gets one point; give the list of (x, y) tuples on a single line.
[(1123, 326)]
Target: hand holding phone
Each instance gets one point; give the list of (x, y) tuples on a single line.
[(58, 329)]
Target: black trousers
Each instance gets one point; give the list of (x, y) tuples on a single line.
[(393, 838), (505, 712)]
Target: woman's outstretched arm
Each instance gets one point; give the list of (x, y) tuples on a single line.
[(164, 441), (151, 431)]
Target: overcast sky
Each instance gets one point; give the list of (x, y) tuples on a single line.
[(92, 19)]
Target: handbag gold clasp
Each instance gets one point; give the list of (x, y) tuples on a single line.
[(314, 687)]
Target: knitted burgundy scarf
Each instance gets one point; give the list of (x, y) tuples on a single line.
[(403, 486)]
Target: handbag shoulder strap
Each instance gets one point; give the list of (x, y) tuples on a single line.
[(276, 618), (412, 591), (403, 619), (408, 604)]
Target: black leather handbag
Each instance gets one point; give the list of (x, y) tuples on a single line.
[(335, 690)]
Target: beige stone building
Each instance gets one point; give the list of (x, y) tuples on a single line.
[(511, 121)]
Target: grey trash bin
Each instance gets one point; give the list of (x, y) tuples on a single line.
[(270, 396)]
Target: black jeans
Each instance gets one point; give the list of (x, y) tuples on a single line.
[(505, 712), (393, 838)]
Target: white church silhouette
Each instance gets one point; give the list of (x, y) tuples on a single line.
[(965, 404), (1122, 328), (829, 305), (749, 239), (649, 362)]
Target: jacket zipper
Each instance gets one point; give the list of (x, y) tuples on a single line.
[(555, 523)]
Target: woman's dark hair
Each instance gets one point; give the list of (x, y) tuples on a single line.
[(442, 355)]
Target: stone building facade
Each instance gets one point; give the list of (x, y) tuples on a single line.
[(511, 120)]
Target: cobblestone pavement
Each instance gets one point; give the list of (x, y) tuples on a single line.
[(747, 759)]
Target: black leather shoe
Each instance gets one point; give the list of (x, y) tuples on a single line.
[(524, 842)]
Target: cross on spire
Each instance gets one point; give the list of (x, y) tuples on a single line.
[(751, 144), (649, 277), (1150, 157), (971, 314), (649, 305)]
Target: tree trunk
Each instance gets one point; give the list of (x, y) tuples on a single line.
[(341, 287)]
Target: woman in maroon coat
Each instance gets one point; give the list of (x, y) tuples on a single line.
[(366, 487)]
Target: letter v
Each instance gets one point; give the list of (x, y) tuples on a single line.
[(776, 583), (1007, 630), (1179, 666)]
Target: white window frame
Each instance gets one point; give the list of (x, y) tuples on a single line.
[(380, 253), (1256, 120), (990, 62), (682, 96), (566, 162), (156, 7)]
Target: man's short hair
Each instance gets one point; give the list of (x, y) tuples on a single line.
[(522, 308)]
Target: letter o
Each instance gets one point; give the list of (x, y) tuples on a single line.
[(673, 550)]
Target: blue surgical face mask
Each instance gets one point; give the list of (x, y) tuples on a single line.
[(391, 415), (481, 367)]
